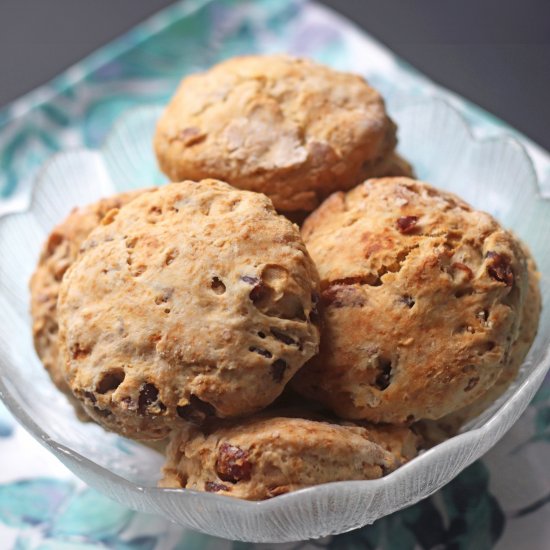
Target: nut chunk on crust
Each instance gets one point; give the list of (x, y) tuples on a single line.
[(290, 128), (423, 299), (262, 457), (194, 300)]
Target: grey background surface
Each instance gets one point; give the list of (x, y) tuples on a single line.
[(494, 52)]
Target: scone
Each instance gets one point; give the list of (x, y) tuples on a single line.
[(422, 296), (287, 127), (58, 253), (265, 456), (196, 299)]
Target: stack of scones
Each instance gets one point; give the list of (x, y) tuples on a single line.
[(271, 357)]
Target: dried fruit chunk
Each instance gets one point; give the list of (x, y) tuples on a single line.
[(213, 487), (197, 411), (232, 464), (407, 224), (499, 268)]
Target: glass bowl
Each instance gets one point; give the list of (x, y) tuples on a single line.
[(495, 175)]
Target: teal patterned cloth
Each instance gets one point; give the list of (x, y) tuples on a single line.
[(503, 500)]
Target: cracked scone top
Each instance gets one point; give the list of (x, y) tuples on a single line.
[(269, 455), (58, 253), (290, 128), (194, 300), (422, 300)]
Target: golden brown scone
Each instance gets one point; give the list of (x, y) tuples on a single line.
[(195, 299), (58, 253), (437, 430), (265, 456), (423, 298), (287, 127)]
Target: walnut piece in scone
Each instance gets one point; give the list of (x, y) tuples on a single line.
[(194, 300), (58, 253), (422, 297), (287, 127), (269, 455)]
